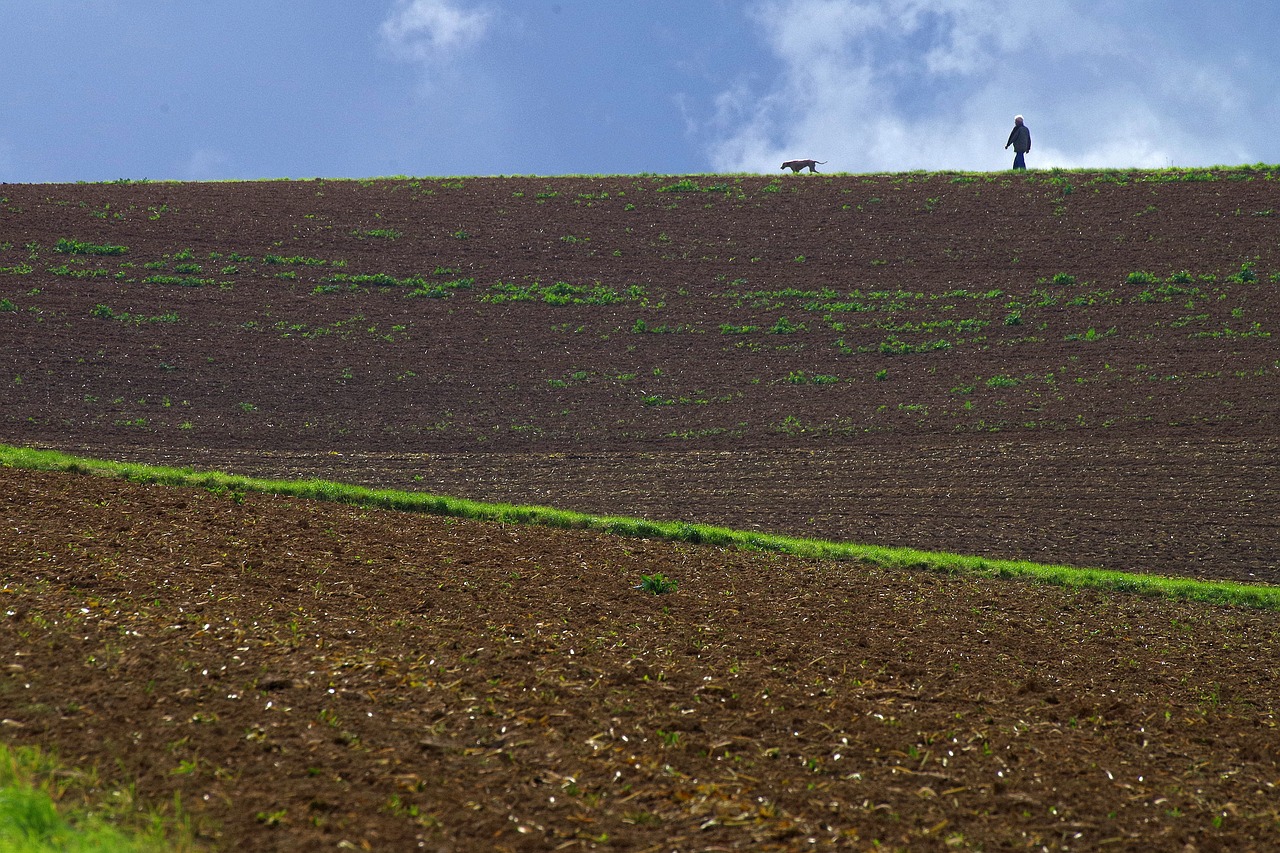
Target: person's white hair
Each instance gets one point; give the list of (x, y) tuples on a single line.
[(1017, 119)]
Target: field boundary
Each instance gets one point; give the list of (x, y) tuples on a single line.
[(1259, 596)]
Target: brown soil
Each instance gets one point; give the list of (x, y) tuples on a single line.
[(965, 365), (305, 674)]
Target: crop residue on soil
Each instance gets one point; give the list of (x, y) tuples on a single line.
[(304, 674)]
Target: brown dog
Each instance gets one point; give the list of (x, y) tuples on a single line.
[(798, 165)]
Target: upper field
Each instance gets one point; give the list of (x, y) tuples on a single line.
[(1069, 367)]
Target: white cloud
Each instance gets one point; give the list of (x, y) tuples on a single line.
[(430, 30), (887, 85), (456, 111)]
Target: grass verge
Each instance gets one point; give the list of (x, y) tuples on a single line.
[(47, 807), (1183, 589)]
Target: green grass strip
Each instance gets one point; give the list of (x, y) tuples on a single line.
[(46, 807), (1181, 589)]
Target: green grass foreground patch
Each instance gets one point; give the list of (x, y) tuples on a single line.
[(46, 806), (1183, 589)]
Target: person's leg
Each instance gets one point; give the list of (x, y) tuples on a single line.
[(1019, 162)]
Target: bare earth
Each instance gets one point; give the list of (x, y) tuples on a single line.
[(968, 363)]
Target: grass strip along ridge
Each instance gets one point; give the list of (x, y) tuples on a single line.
[(1184, 589)]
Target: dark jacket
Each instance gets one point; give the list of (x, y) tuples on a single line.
[(1020, 139)]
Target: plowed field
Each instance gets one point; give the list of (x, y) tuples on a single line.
[(1069, 367)]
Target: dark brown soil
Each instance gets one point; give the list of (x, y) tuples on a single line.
[(305, 674), (961, 363)]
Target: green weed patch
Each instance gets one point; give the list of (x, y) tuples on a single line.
[(560, 293), (376, 280), (179, 280), (297, 260), (75, 247), (105, 312)]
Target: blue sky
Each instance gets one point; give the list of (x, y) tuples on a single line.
[(172, 89)]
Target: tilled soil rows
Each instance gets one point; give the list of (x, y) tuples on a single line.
[(307, 674), (1066, 367)]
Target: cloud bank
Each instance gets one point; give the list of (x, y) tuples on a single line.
[(934, 84)]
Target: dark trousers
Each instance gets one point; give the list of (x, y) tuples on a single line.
[(1018, 161)]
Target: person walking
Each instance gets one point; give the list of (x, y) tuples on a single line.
[(1020, 139)]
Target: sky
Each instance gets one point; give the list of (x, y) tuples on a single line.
[(100, 90)]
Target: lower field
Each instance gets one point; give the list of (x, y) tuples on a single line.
[(304, 674)]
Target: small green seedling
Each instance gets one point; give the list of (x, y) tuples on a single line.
[(657, 583)]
